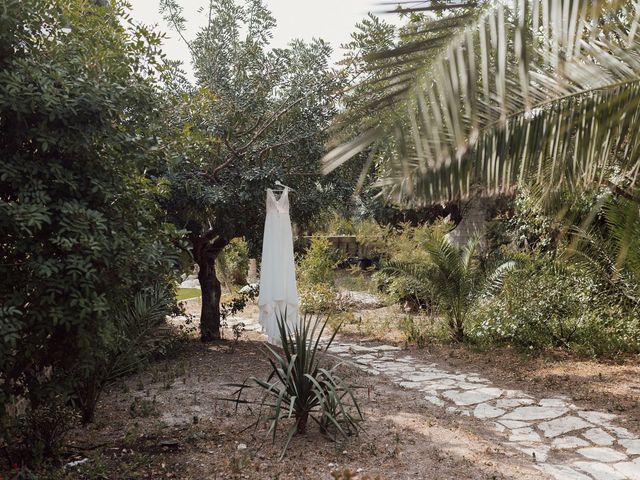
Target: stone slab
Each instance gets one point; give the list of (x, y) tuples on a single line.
[(535, 413), (563, 425)]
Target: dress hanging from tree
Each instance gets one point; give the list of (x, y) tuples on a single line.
[(278, 290)]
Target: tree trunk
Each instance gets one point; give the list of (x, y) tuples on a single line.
[(205, 255)]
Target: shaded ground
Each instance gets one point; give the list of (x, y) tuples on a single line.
[(169, 422)]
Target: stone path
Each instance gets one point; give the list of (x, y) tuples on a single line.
[(564, 441)]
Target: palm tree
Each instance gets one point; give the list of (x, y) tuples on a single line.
[(543, 91), (455, 278)]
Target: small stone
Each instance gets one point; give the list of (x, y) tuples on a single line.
[(435, 400), (535, 413), (552, 402), (599, 418), (599, 437), (422, 377), (513, 402), (241, 446), (498, 427), (568, 442), (487, 411), (599, 471), (630, 469), (539, 453), (526, 434), (562, 425), (562, 472), (514, 423), (472, 397), (632, 446), (602, 454)]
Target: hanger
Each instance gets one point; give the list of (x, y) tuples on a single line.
[(281, 187)]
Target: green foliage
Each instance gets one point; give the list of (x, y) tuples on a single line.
[(299, 388), (81, 234), (256, 115), (414, 330), (454, 277), (317, 298), (316, 265), (233, 262), (548, 303)]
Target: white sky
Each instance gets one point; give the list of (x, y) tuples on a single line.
[(331, 20)]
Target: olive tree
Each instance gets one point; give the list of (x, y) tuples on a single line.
[(255, 115)]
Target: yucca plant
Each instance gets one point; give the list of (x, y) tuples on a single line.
[(455, 278), (300, 389)]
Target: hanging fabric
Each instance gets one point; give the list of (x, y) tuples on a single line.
[(278, 289)]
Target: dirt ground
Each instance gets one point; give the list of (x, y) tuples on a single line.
[(171, 420)]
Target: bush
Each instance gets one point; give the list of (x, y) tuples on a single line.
[(317, 298), (414, 330), (316, 265), (549, 304), (233, 262), (81, 232)]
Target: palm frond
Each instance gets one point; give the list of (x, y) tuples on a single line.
[(547, 90)]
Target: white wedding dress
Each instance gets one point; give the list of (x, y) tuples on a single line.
[(278, 289)]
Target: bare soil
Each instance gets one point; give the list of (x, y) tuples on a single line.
[(171, 420)]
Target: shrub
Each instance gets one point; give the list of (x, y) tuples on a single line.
[(549, 303), (233, 262), (414, 331), (81, 232), (299, 388), (316, 266)]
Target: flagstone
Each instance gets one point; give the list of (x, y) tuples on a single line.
[(471, 397), (526, 434), (602, 454), (600, 471), (599, 418), (487, 411), (599, 437), (632, 446), (535, 413), (562, 472), (513, 402), (514, 423), (562, 425), (630, 469), (568, 442)]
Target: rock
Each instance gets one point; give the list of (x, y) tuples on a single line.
[(422, 377), (632, 446), (630, 469), (435, 400), (599, 418), (568, 442), (600, 471), (562, 425), (471, 397), (514, 423), (602, 454), (562, 472), (599, 437), (552, 402), (241, 446), (535, 413), (538, 453), (513, 402), (487, 411), (526, 434)]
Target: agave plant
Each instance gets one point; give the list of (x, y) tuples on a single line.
[(499, 93), (455, 278), (299, 388)]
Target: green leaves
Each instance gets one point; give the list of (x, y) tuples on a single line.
[(541, 90), (299, 388)]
